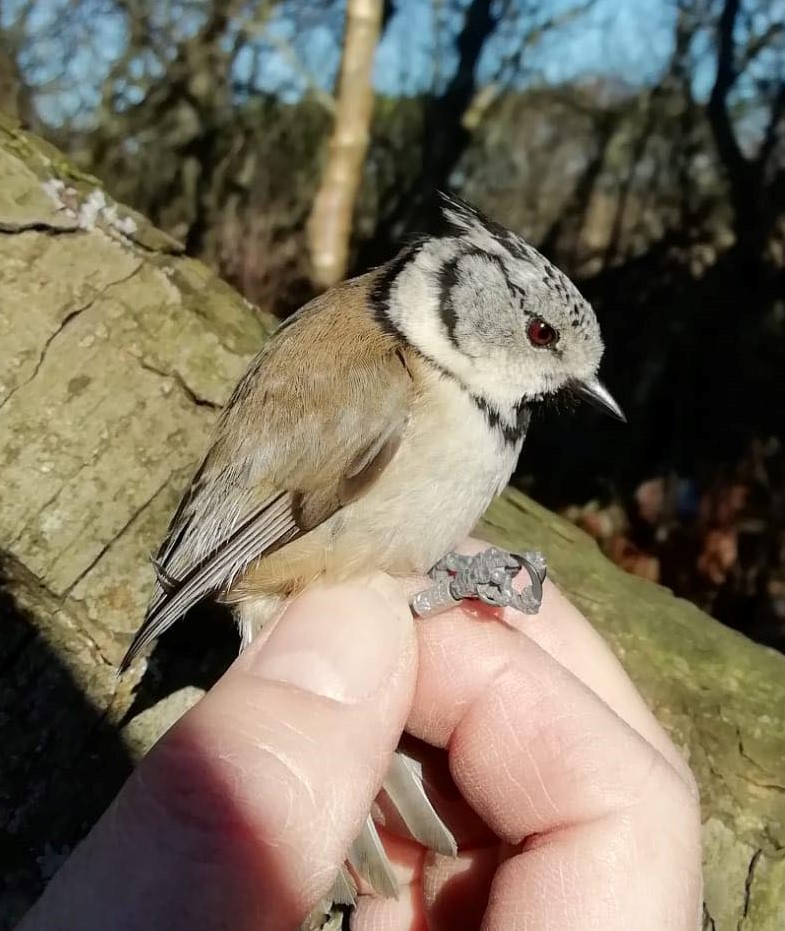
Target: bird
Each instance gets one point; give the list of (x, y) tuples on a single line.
[(371, 432)]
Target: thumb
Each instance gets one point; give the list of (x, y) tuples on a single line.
[(242, 814)]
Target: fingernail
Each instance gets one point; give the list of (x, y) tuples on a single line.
[(340, 641)]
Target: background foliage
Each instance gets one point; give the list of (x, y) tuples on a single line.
[(641, 145)]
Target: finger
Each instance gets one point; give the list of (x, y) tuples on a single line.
[(561, 630), (242, 814), (450, 895), (402, 914), (451, 891), (455, 891), (464, 664), (538, 754), (565, 634)]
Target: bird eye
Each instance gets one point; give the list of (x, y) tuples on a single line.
[(541, 334)]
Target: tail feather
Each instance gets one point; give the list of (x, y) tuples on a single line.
[(404, 786), (369, 858), (344, 891)]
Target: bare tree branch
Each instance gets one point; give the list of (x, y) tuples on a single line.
[(726, 76), (762, 41), (772, 129)]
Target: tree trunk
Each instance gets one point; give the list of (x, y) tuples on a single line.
[(116, 353), (330, 223)]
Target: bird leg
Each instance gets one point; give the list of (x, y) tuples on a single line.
[(487, 576)]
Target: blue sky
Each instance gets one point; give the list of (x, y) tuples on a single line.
[(628, 40), (625, 39)]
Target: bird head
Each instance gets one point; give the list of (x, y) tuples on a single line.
[(492, 312)]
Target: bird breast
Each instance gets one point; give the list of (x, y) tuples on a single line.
[(448, 468)]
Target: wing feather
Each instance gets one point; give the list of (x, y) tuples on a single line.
[(304, 433), (270, 527)]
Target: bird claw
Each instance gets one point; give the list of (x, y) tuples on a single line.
[(487, 576)]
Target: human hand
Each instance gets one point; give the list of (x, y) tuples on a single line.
[(241, 815), (589, 816)]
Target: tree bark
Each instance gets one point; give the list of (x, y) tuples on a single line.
[(116, 353), (330, 223)]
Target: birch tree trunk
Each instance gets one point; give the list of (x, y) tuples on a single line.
[(116, 353), (330, 222)]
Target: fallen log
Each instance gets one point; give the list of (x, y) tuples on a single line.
[(116, 352)]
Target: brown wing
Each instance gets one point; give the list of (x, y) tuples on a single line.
[(314, 421)]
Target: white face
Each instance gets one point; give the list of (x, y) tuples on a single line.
[(494, 313)]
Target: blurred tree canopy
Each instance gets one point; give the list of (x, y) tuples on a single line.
[(640, 145)]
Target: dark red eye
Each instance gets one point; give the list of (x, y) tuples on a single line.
[(541, 334)]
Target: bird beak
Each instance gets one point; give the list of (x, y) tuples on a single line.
[(593, 391)]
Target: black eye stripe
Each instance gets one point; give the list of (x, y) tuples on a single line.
[(448, 278)]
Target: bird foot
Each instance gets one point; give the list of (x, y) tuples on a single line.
[(487, 576)]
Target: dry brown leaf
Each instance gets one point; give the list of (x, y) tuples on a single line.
[(632, 559), (718, 555)]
